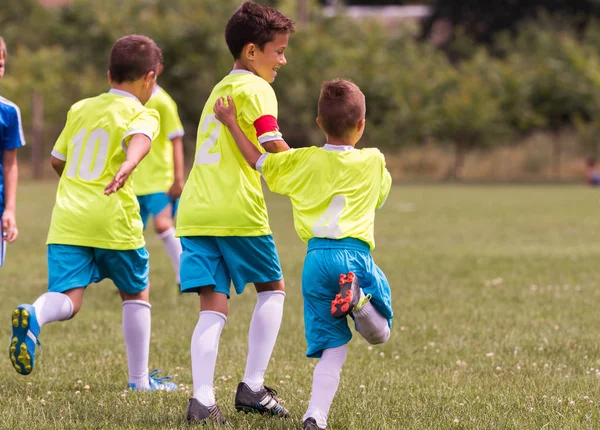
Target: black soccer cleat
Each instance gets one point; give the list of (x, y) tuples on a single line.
[(198, 413), (347, 297), (264, 401), (310, 424)]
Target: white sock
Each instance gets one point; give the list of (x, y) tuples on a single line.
[(50, 307), (371, 324), (205, 345), (326, 379), (173, 247), (136, 331), (264, 329)]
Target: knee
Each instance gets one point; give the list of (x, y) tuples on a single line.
[(161, 225), (379, 337)]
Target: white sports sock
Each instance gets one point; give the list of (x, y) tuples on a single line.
[(50, 307), (205, 346), (372, 326), (326, 379), (173, 247), (136, 331), (264, 329)]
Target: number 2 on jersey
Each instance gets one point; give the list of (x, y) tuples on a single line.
[(203, 156), (87, 170), (327, 226)]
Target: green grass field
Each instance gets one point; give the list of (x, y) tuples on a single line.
[(497, 314)]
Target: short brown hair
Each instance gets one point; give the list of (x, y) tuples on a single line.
[(133, 56), (341, 107), (3, 52), (255, 23)]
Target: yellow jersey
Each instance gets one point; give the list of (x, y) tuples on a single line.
[(334, 190), (223, 194), (155, 172), (93, 144)]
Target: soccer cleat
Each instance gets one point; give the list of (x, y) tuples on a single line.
[(24, 339), (310, 424), (264, 401), (363, 301), (198, 413), (348, 296), (155, 383)]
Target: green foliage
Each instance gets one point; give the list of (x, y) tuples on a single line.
[(545, 76)]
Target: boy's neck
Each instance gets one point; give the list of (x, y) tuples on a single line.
[(125, 86), (340, 142), (239, 65)]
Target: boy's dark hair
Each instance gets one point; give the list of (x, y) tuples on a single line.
[(591, 161), (133, 56), (3, 52), (255, 23), (341, 107)]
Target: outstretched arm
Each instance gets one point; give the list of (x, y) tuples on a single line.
[(139, 146), (226, 115)]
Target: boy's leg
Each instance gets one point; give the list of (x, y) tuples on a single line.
[(203, 271), (70, 269), (129, 271), (255, 260), (326, 379), (264, 328), (372, 326), (163, 225), (205, 343)]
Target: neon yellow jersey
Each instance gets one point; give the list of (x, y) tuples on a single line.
[(223, 194), (155, 172), (334, 190), (94, 144)]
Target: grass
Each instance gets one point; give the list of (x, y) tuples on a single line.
[(496, 301)]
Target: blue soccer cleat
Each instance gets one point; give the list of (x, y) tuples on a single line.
[(155, 383), (24, 339)]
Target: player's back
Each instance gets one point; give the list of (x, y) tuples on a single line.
[(223, 195), (93, 144), (155, 172), (334, 190)]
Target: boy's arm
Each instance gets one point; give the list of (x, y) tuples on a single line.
[(226, 114), (58, 165), (177, 187), (137, 149), (11, 176)]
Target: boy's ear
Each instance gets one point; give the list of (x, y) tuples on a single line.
[(149, 78), (360, 125), (319, 123), (249, 51), (108, 76)]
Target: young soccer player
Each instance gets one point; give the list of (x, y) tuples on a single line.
[(159, 177), (11, 138), (223, 222), (334, 192), (96, 231)]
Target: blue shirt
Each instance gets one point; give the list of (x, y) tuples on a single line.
[(11, 136)]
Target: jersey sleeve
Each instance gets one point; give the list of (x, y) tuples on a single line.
[(147, 122), (281, 170), (13, 137), (61, 146), (170, 123), (386, 184), (260, 109)]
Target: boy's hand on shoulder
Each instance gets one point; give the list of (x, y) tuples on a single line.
[(225, 113), (9, 226), (120, 177)]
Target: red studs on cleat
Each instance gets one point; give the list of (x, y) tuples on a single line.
[(344, 301)]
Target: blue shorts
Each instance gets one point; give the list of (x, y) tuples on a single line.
[(71, 266), (153, 204), (219, 260), (326, 260)]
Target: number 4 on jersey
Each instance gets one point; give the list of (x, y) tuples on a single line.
[(327, 226)]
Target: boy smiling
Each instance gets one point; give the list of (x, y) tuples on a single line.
[(223, 221)]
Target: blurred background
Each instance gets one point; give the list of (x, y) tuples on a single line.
[(501, 90)]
